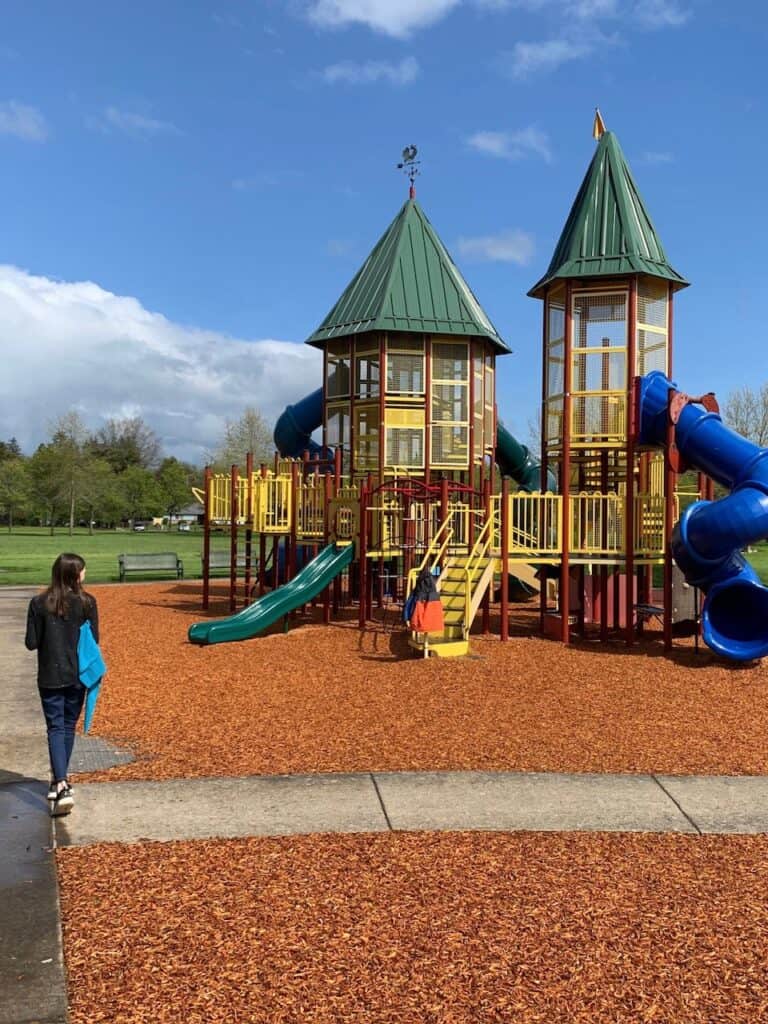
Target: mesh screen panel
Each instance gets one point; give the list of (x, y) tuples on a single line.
[(367, 437), (367, 367), (598, 417), (449, 402), (651, 351), (652, 298), (405, 373), (555, 370), (405, 447), (450, 361), (450, 445), (598, 371), (600, 320), (554, 419)]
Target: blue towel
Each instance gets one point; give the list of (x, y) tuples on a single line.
[(91, 667)]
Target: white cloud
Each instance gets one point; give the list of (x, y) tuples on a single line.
[(373, 71), (513, 145), (592, 8), (513, 246), (75, 344), (136, 125), (396, 18), (660, 14), (22, 121), (530, 58), (655, 157)]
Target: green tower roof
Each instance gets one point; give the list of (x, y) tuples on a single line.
[(408, 283), (608, 232)]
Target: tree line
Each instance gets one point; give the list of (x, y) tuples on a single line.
[(113, 475)]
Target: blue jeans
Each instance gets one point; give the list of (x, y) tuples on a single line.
[(61, 709)]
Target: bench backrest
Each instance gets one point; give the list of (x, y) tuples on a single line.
[(220, 560), (150, 560)]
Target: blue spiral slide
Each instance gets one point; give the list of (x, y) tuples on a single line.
[(708, 541)]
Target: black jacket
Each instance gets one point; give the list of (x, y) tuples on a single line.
[(55, 639)]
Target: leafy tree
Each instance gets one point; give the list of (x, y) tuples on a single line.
[(69, 440), (47, 484), (746, 411), (98, 495), (250, 433), (14, 488), (10, 450), (140, 493), (126, 442), (175, 479)]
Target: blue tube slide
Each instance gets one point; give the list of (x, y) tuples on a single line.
[(708, 540), (293, 430)]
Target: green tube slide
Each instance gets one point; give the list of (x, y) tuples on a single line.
[(308, 583), (515, 460)]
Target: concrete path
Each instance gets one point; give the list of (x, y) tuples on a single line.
[(130, 812), (32, 976)]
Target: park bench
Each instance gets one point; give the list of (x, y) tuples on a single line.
[(155, 562), (219, 561)]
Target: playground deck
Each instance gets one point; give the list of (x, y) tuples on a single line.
[(326, 699)]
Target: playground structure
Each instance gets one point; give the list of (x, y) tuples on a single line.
[(414, 470)]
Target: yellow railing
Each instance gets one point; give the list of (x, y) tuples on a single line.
[(535, 525), (597, 524), (219, 501), (273, 504), (649, 524), (434, 553), (476, 564), (310, 508)]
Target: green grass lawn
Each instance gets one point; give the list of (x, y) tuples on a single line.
[(26, 555)]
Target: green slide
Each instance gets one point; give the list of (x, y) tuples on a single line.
[(308, 583)]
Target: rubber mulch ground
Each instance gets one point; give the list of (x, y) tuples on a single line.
[(411, 929), (327, 699)]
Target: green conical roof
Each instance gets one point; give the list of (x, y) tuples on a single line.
[(408, 283), (608, 232)]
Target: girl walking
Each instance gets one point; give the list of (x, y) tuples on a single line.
[(53, 630)]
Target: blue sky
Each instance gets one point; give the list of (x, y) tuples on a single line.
[(181, 179)]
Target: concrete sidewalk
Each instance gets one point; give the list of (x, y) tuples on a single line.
[(130, 812), (32, 976)]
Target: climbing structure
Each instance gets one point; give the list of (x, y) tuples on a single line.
[(412, 471)]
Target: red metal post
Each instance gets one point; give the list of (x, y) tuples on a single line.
[(363, 554), (669, 515), (207, 477), (427, 410), (292, 562), (543, 437), (487, 597), (670, 481), (262, 547), (327, 483), (248, 527), (233, 510), (565, 483), (505, 559), (629, 506)]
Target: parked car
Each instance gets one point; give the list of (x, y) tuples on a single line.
[(184, 527), (139, 527)]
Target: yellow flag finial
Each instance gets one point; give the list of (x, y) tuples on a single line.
[(599, 126)]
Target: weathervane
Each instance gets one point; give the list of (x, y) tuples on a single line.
[(409, 165)]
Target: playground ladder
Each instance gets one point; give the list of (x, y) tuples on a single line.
[(463, 583)]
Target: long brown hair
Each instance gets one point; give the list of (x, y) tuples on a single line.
[(65, 580)]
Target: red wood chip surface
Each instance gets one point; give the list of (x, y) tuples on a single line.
[(406, 929), (330, 698)]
